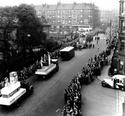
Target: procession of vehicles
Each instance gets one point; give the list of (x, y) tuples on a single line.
[(115, 82), (13, 89)]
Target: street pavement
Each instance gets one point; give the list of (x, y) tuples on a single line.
[(101, 101), (48, 96)]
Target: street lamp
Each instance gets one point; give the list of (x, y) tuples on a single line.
[(28, 35), (28, 42)]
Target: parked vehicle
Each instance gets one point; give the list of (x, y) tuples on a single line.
[(116, 82)]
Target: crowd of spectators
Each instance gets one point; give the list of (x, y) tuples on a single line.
[(72, 94)]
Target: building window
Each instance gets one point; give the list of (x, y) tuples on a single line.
[(78, 11), (122, 47), (63, 22)]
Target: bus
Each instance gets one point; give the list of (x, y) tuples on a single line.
[(67, 53), (84, 29)]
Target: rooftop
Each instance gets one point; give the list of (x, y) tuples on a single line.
[(60, 6)]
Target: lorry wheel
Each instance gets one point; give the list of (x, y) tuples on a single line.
[(122, 88), (103, 85), (31, 89), (44, 76)]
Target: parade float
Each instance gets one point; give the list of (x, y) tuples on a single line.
[(12, 90), (48, 66)]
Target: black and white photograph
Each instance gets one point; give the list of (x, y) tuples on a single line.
[(62, 57)]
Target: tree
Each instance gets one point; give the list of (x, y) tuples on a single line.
[(23, 18), (8, 16), (51, 45), (8, 21), (27, 16), (29, 24), (21, 29)]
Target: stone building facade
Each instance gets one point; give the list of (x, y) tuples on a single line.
[(76, 14)]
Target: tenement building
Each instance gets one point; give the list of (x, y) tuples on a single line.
[(120, 51), (70, 15)]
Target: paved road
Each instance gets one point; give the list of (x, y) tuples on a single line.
[(48, 95), (100, 101)]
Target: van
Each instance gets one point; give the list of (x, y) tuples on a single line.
[(116, 81)]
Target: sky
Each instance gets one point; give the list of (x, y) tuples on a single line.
[(102, 4)]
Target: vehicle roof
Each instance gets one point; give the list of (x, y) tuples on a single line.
[(119, 76), (67, 49)]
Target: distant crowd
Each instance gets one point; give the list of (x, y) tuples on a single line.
[(72, 94)]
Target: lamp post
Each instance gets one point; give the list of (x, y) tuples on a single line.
[(26, 44), (28, 37)]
